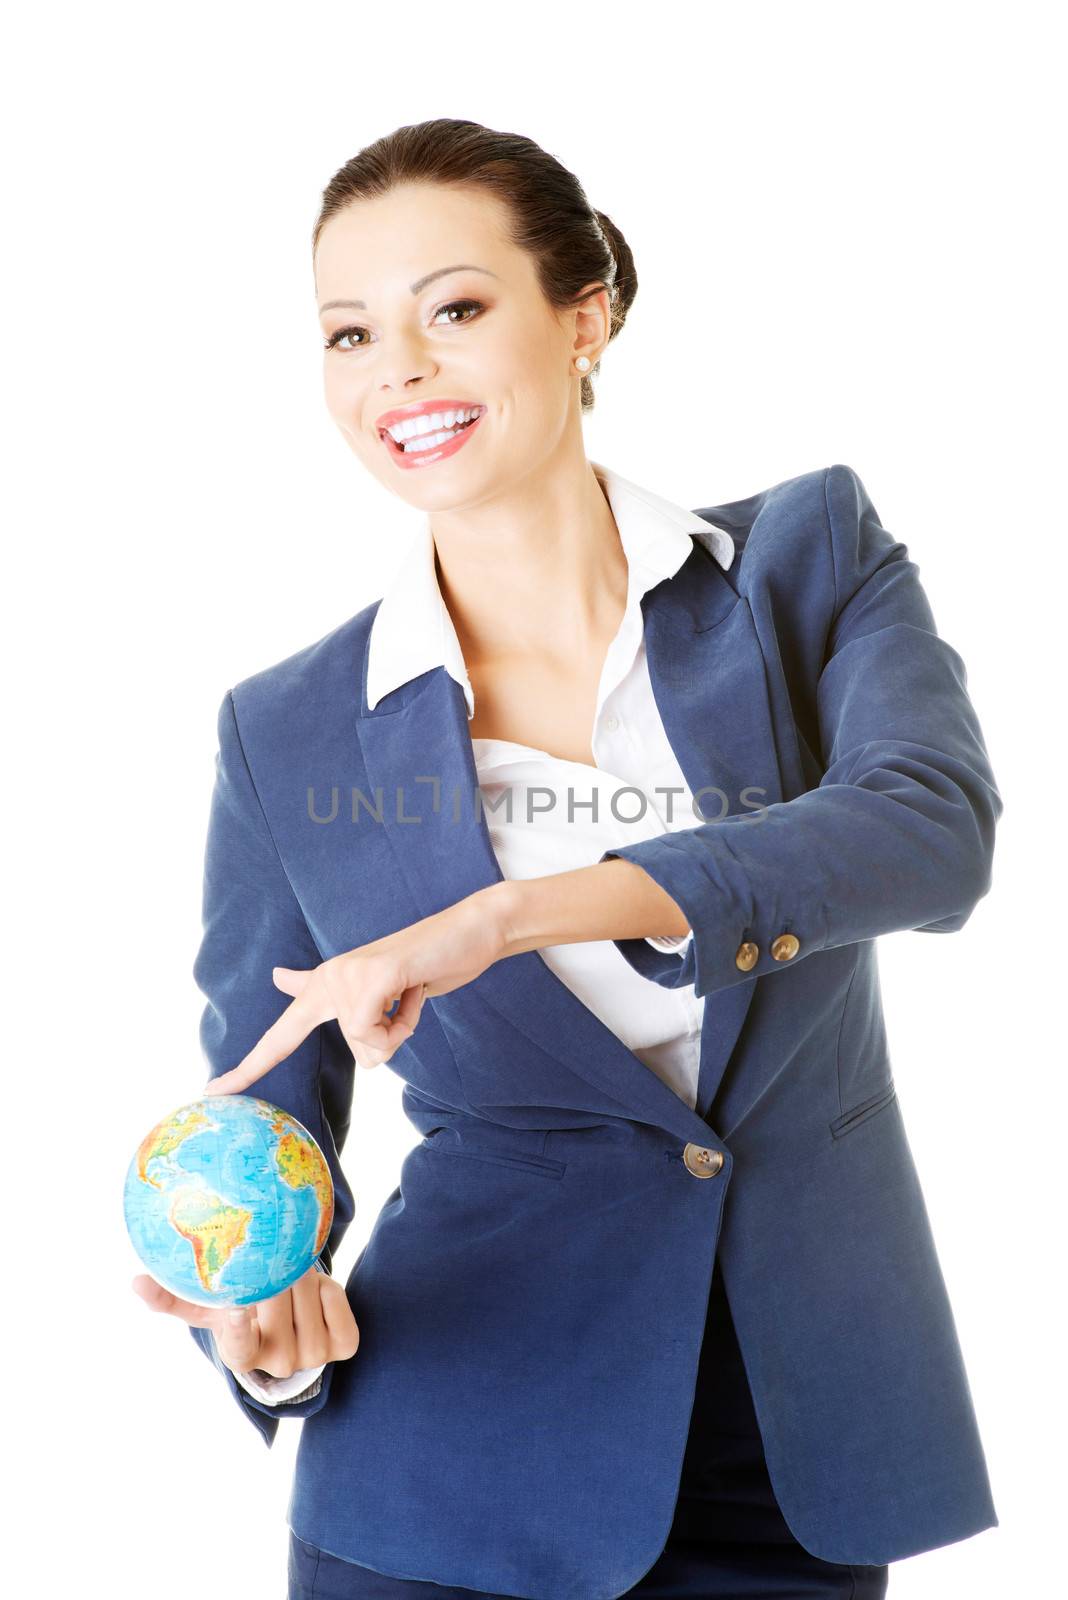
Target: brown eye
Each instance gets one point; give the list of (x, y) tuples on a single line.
[(342, 333), (475, 306)]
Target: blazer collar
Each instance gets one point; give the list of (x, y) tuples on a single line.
[(413, 633)]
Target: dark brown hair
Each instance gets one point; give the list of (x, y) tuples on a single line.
[(550, 217)]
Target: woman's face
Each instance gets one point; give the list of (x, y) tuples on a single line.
[(481, 334)]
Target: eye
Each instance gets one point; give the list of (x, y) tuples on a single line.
[(462, 305), (474, 307), (342, 333)]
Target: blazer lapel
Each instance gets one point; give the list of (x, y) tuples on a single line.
[(708, 679), (710, 685)]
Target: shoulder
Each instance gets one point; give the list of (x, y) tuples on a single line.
[(794, 517), (319, 678), (804, 536), (805, 549)]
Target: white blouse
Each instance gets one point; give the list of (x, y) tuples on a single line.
[(547, 815), (661, 1026)]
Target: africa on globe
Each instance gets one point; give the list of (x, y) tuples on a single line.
[(228, 1201)]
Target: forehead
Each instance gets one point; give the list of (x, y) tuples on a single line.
[(373, 246)]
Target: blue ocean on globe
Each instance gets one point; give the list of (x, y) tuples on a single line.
[(228, 1200)]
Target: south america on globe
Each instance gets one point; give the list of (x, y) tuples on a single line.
[(228, 1200)]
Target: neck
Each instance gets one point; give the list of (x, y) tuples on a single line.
[(536, 570)]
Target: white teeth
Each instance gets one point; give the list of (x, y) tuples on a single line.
[(428, 441), (431, 422)]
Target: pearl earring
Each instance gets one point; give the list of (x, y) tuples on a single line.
[(583, 363)]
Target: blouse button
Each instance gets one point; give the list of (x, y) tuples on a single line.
[(611, 723)]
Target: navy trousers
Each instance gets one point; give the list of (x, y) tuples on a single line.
[(728, 1538)]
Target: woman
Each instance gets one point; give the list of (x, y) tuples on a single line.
[(655, 1307)]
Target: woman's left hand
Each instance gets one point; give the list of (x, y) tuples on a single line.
[(433, 956)]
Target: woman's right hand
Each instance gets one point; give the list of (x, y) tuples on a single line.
[(304, 1326)]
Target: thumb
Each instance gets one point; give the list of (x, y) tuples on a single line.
[(290, 980), (237, 1335)]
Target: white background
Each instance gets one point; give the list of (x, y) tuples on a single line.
[(843, 223)]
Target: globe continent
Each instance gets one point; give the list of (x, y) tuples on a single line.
[(228, 1200)]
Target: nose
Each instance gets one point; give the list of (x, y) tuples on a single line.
[(387, 386), (403, 365)]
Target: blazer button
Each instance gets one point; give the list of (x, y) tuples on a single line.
[(785, 947), (701, 1162), (746, 956)]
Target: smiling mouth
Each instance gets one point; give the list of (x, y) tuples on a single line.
[(420, 442)]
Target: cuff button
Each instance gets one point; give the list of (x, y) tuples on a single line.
[(746, 956), (785, 947)]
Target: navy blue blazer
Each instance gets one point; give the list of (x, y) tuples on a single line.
[(532, 1296)]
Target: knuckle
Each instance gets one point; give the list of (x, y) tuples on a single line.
[(333, 975)]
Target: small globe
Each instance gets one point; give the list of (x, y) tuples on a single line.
[(228, 1200)]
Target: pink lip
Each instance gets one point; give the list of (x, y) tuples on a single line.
[(419, 409), (427, 458)]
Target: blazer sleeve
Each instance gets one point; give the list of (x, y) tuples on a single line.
[(252, 922), (898, 834)]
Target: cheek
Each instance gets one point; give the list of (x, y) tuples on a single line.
[(342, 395), (541, 370), (533, 357), (538, 396)]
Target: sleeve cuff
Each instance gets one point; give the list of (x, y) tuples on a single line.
[(302, 1385), (669, 862), (673, 944)]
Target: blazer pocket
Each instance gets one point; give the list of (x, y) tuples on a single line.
[(541, 1166), (860, 1113)]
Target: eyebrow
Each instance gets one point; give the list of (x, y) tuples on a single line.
[(416, 287)]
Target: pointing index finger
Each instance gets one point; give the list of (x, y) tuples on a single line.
[(303, 1013)]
